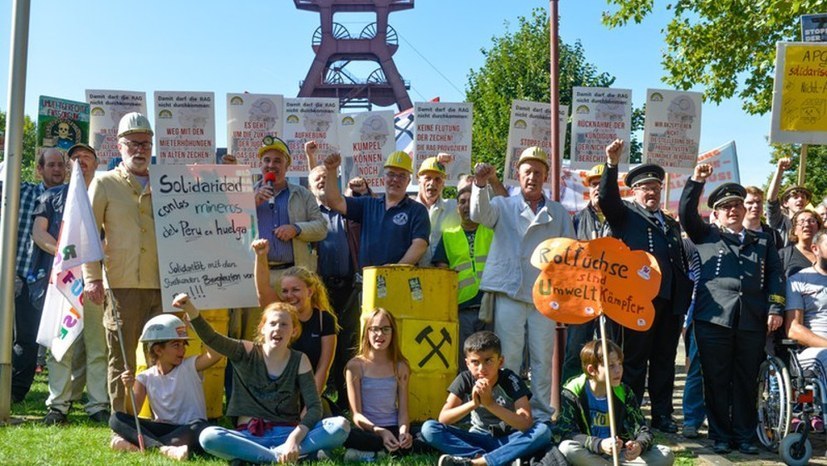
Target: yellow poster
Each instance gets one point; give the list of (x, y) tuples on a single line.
[(804, 89)]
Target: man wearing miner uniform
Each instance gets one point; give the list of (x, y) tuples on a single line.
[(643, 226), (740, 297)]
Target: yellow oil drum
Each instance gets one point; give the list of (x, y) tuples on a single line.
[(424, 303), (213, 376)]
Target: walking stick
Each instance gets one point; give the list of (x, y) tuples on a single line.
[(612, 428), (117, 316)]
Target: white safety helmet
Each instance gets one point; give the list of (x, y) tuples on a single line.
[(164, 327), (132, 123)]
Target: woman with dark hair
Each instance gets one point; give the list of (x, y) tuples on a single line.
[(799, 255)]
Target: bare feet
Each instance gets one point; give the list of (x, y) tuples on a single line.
[(180, 453), (119, 443)]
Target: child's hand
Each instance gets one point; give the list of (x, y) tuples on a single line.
[(633, 450), (405, 440), (182, 301), (606, 445), (485, 392), (127, 378), (390, 442), (475, 396)]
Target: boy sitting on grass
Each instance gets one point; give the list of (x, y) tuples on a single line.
[(583, 426), (502, 428)]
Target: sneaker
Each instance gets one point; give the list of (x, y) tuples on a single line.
[(119, 443), (448, 460), (690, 431), (100, 417), (179, 453), (55, 418), (352, 454)]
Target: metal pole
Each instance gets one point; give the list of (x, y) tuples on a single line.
[(802, 165), (18, 51)]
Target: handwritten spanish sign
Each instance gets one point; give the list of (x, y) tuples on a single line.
[(205, 221), (444, 127), (579, 280), (184, 127), (307, 119), (366, 139), (106, 110), (251, 117), (62, 123), (672, 133), (599, 115), (531, 126)]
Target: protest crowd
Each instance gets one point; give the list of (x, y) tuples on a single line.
[(306, 376)]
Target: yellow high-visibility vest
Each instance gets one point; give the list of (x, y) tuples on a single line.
[(459, 258)]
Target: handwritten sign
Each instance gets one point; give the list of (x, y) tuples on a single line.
[(599, 115), (365, 140), (579, 280), (799, 105), (61, 123), (251, 117), (205, 221), (307, 119), (672, 133), (531, 126), (444, 127), (106, 110), (184, 127)]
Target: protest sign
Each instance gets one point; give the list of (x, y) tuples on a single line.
[(724, 161), (184, 127), (106, 110), (310, 119), (530, 125), (814, 28), (444, 127), (672, 133), (61, 123), (580, 280), (799, 104), (365, 140), (205, 221), (599, 116), (251, 117)]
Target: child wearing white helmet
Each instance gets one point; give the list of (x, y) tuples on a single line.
[(174, 387)]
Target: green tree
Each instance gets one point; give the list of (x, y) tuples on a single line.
[(27, 172), (517, 67), (816, 178)]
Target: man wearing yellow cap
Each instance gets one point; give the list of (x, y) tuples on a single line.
[(395, 228), (520, 223), (441, 212)]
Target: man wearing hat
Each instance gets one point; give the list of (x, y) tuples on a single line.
[(520, 223), (29, 281), (442, 213), (395, 228), (793, 199), (92, 341), (739, 297), (642, 225), (122, 203)]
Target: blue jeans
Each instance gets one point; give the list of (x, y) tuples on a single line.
[(495, 450), (229, 444), (694, 411)]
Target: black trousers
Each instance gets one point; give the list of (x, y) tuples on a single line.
[(368, 441), (344, 297), (27, 312), (730, 361), (158, 434), (653, 350), (578, 335)]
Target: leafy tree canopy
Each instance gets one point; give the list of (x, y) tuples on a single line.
[(28, 172)]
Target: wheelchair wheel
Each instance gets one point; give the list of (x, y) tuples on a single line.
[(793, 451), (774, 402)]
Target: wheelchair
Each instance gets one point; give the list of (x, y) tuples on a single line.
[(789, 396)]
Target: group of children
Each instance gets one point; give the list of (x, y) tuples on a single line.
[(275, 402)]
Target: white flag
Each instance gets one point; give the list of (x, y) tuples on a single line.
[(78, 243)]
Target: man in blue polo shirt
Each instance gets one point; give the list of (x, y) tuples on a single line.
[(395, 228)]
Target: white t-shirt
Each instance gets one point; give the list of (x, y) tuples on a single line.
[(807, 290), (176, 397)]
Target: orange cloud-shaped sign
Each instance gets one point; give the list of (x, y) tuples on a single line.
[(579, 280)]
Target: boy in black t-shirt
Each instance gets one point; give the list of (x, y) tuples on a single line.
[(502, 426)]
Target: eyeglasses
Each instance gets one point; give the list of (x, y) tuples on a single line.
[(806, 221), (730, 206), (385, 330), (396, 176), (134, 146), (649, 189)]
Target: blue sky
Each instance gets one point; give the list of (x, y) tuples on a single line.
[(264, 46)]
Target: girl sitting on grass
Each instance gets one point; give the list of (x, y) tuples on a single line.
[(175, 391)]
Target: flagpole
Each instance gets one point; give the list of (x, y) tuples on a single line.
[(18, 55)]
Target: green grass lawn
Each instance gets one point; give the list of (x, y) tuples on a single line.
[(82, 442)]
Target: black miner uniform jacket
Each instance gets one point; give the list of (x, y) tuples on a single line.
[(737, 281), (637, 227)]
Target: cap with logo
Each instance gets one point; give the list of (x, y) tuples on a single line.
[(725, 193), (400, 159), (595, 172), (431, 164), (274, 143), (644, 173)]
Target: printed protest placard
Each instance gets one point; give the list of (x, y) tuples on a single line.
[(530, 125), (599, 116), (444, 127), (106, 110), (365, 141), (799, 104), (724, 161), (672, 133), (310, 119), (251, 117), (205, 221), (61, 123), (184, 127)]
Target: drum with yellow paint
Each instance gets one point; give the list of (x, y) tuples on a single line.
[(424, 303), (213, 376)]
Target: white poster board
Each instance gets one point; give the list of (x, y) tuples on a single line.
[(106, 110), (310, 119), (530, 125), (184, 127), (672, 133), (251, 117), (444, 127), (365, 140), (205, 221), (599, 116)]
